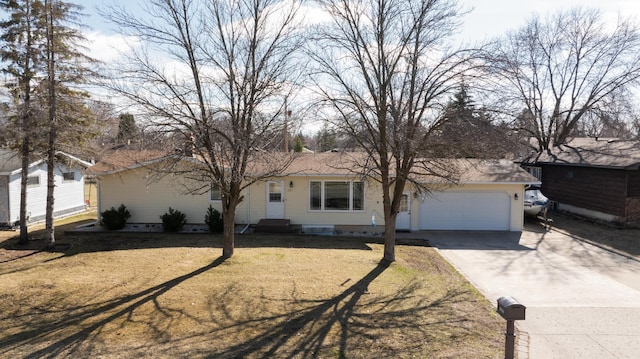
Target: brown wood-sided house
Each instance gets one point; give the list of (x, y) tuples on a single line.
[(593, 177)]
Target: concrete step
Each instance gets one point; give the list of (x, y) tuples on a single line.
[(273, 226)]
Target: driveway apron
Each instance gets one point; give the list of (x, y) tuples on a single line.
[(582, 301)]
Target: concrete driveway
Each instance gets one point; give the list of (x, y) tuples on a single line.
[(582, 301)]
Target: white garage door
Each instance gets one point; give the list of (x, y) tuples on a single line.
[(466, 211)]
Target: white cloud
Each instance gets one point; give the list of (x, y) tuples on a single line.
[(107, 48)]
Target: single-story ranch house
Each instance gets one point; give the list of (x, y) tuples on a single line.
[(315, 193), (593, 177), (69, 191)]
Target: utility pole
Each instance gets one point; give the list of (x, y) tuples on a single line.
[(286, 122)]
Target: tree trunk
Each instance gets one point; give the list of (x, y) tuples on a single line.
[(49, 227), (51, 150), (24, 233), (389, 235), (229, 232), (26, 127)]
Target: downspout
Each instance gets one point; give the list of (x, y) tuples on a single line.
[(248, 211), (98, 199)]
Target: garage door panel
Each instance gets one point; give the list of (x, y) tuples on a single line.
[(466, 211)]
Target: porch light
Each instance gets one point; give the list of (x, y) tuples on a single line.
[(515, 196), (290, 184)]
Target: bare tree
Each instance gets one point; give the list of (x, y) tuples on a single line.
[(561, 68), (612, 118), (232, 64), (385, 68)]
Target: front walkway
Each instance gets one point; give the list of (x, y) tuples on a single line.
[(582, 301)]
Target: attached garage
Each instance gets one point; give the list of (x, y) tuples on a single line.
[(466, 210), (487, 197)]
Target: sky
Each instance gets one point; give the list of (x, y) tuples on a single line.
[(486, 18), (490, 18)]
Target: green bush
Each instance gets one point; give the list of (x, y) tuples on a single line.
[(213, 219), (114, 219), (173, 221)]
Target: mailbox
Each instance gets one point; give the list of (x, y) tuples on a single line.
[(510, 309)]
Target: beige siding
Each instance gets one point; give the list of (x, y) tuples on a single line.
[(147, 200), (252, 208)]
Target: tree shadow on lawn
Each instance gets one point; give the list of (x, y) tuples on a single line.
[(49, 331), (341, 326), (76, 243), (334, 327)]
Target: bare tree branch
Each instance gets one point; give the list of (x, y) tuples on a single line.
[(562, 68), (387, 72), (233, 64)]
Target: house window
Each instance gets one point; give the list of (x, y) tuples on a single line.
[(275, 192), (68, 176), (315, 196), (336, 196), (215, 193), (358, 196), (33, 181), (404, 203)]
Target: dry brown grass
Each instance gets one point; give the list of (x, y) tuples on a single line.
[(158, 295)]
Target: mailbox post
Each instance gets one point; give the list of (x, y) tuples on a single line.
[(510, 310)]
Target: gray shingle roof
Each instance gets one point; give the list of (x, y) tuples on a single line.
[(592, 152), (9, 161), (350, 164)]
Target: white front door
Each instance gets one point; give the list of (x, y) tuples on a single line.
[(275, 200), (403, 220)]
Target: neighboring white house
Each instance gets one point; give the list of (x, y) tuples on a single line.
[(315, 192), (69, 191)]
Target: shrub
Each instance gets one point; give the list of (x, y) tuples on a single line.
[(213, 219), (115, 218), (173, 221)]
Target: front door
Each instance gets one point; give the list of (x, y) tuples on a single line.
[(275, 200), (403, 220)]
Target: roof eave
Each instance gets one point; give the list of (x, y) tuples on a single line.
[(634, 166), (142, 164)]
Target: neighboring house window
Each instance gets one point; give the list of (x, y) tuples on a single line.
[(336, 196), (68, 176), (535, 172), (33, 181), (216, 193)]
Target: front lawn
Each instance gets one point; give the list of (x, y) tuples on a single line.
[(159, 295)]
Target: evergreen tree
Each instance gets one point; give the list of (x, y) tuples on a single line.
[(127, 128), (66, 66), (297, 145), (21, 54), (469, 132), (326, 139)]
